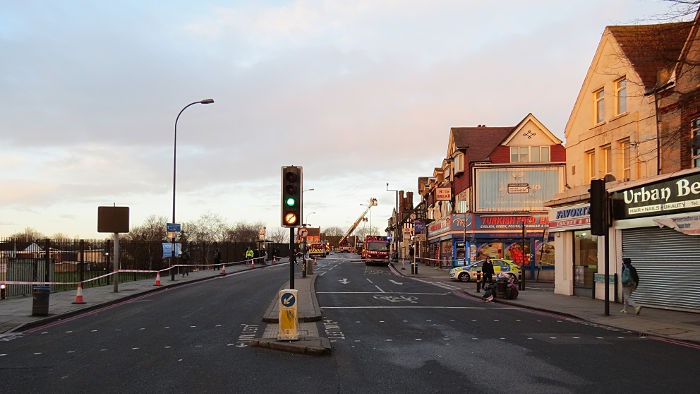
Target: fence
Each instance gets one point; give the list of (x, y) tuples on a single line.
[(67, 262)]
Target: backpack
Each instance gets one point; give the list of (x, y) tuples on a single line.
[(627, 277)]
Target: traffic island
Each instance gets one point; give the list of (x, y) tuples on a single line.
[(312, 345)]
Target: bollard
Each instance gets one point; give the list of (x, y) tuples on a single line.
[(520, 281), (478, 281)]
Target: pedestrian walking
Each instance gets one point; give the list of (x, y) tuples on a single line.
[(217, 258), (630, 281), (487, 270), (185, 258)]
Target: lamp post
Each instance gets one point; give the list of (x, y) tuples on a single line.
[(396, 225), (172, 250)]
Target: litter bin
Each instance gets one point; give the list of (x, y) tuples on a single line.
[(40, 300), (501, 286)]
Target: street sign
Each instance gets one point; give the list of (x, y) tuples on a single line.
[(303, 232), (288, 329), (172, 227), (168, 249)]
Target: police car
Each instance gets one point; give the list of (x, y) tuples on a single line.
[(467, 273)]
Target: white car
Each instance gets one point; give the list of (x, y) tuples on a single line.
[(467, 273)]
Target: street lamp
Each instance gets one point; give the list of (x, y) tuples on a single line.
[(172, 251), (307, 218), (396, 225)]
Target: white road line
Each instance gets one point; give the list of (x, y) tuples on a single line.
[(368, 280), (411, 307), (374, 292), (380, 289)]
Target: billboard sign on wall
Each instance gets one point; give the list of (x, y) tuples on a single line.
[(516, 188)]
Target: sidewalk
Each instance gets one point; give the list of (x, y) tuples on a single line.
[(16, 312), (682, 326)]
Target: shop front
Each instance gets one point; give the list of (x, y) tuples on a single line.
[(659, 226), (576, 256), (511, 237)]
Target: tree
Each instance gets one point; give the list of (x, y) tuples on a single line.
[(28, 235), (208, 228), (243, 232), (332, 231), (152, 229), (279, 235)]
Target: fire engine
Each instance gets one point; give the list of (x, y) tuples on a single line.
[(376, 250)]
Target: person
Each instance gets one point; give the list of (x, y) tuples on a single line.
[(217, 258), (630, 281), (487, 270), (185, 258), (249, 253)]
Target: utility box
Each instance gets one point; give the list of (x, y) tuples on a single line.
[(288, 325), (40, 300)]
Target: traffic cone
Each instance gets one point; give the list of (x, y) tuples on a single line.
[(79, 295), (315, 262), (223, 269), (252, 263), (274, 259), (157, 279)]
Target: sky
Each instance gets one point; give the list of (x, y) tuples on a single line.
[(359, 93)]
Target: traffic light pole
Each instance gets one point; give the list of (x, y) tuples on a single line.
[(292, 257)]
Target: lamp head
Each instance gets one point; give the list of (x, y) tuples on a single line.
[(207, 101)]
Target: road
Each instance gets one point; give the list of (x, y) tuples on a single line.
[(389, 334)]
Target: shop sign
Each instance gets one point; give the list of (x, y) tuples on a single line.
[(460, 222), (439, 226), (419, 226), (443, 194), (506, 222), (518, 188), (679, 194), (689, 225), (570, 217)]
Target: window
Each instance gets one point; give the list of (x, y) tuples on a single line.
[(590, 165), (695, 134), (624, 147), (529, 154), (606, 159), (599, 101), (459, 163), (621, 96)]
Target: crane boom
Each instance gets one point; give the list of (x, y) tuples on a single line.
[(372, 202)]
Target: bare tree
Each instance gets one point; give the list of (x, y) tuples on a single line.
[(279, 235), (208, 228), (28, 235), (152, 229), (332, 231), (243, 232)]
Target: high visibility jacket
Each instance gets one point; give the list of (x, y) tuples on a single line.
[(249, 253)]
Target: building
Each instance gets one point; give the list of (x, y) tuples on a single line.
[(632, 125), (487, 198)]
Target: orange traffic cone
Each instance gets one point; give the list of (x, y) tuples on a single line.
[(315, 262), (157, 279), (223, 269), (252, 263), (79, 295), (274, 260)]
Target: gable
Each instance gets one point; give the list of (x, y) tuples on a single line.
[(531, 132)]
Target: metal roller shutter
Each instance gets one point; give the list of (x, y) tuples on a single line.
[(668, 264)]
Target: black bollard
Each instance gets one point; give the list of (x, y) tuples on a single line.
[(478, 281)]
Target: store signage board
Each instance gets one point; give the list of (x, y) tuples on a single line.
[(675, 195)]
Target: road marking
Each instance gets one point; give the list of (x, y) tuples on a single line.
[(368, 280), (385, 292), (413, 307), (393, 299), (379, 288), (344, 281), (395, 282), (332, 330), (247, 335)]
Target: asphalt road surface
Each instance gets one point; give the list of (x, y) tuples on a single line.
[(389, 334)]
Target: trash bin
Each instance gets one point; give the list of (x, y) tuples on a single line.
[(501, 286), (40, 300)]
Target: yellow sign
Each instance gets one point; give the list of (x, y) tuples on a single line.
[(288, 326)]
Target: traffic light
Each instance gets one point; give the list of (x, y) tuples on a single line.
[(599, 207), (292, 206)]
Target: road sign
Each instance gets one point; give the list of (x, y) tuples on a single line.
[(172, 227), (303, 232), (288, 329)]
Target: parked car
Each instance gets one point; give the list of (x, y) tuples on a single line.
[(467, 273)]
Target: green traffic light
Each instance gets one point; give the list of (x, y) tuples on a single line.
[(291, 202)]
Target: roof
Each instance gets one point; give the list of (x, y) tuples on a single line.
[(481, 141), (652, 48)]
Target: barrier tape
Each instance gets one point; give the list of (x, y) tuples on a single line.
[(19, 282)]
